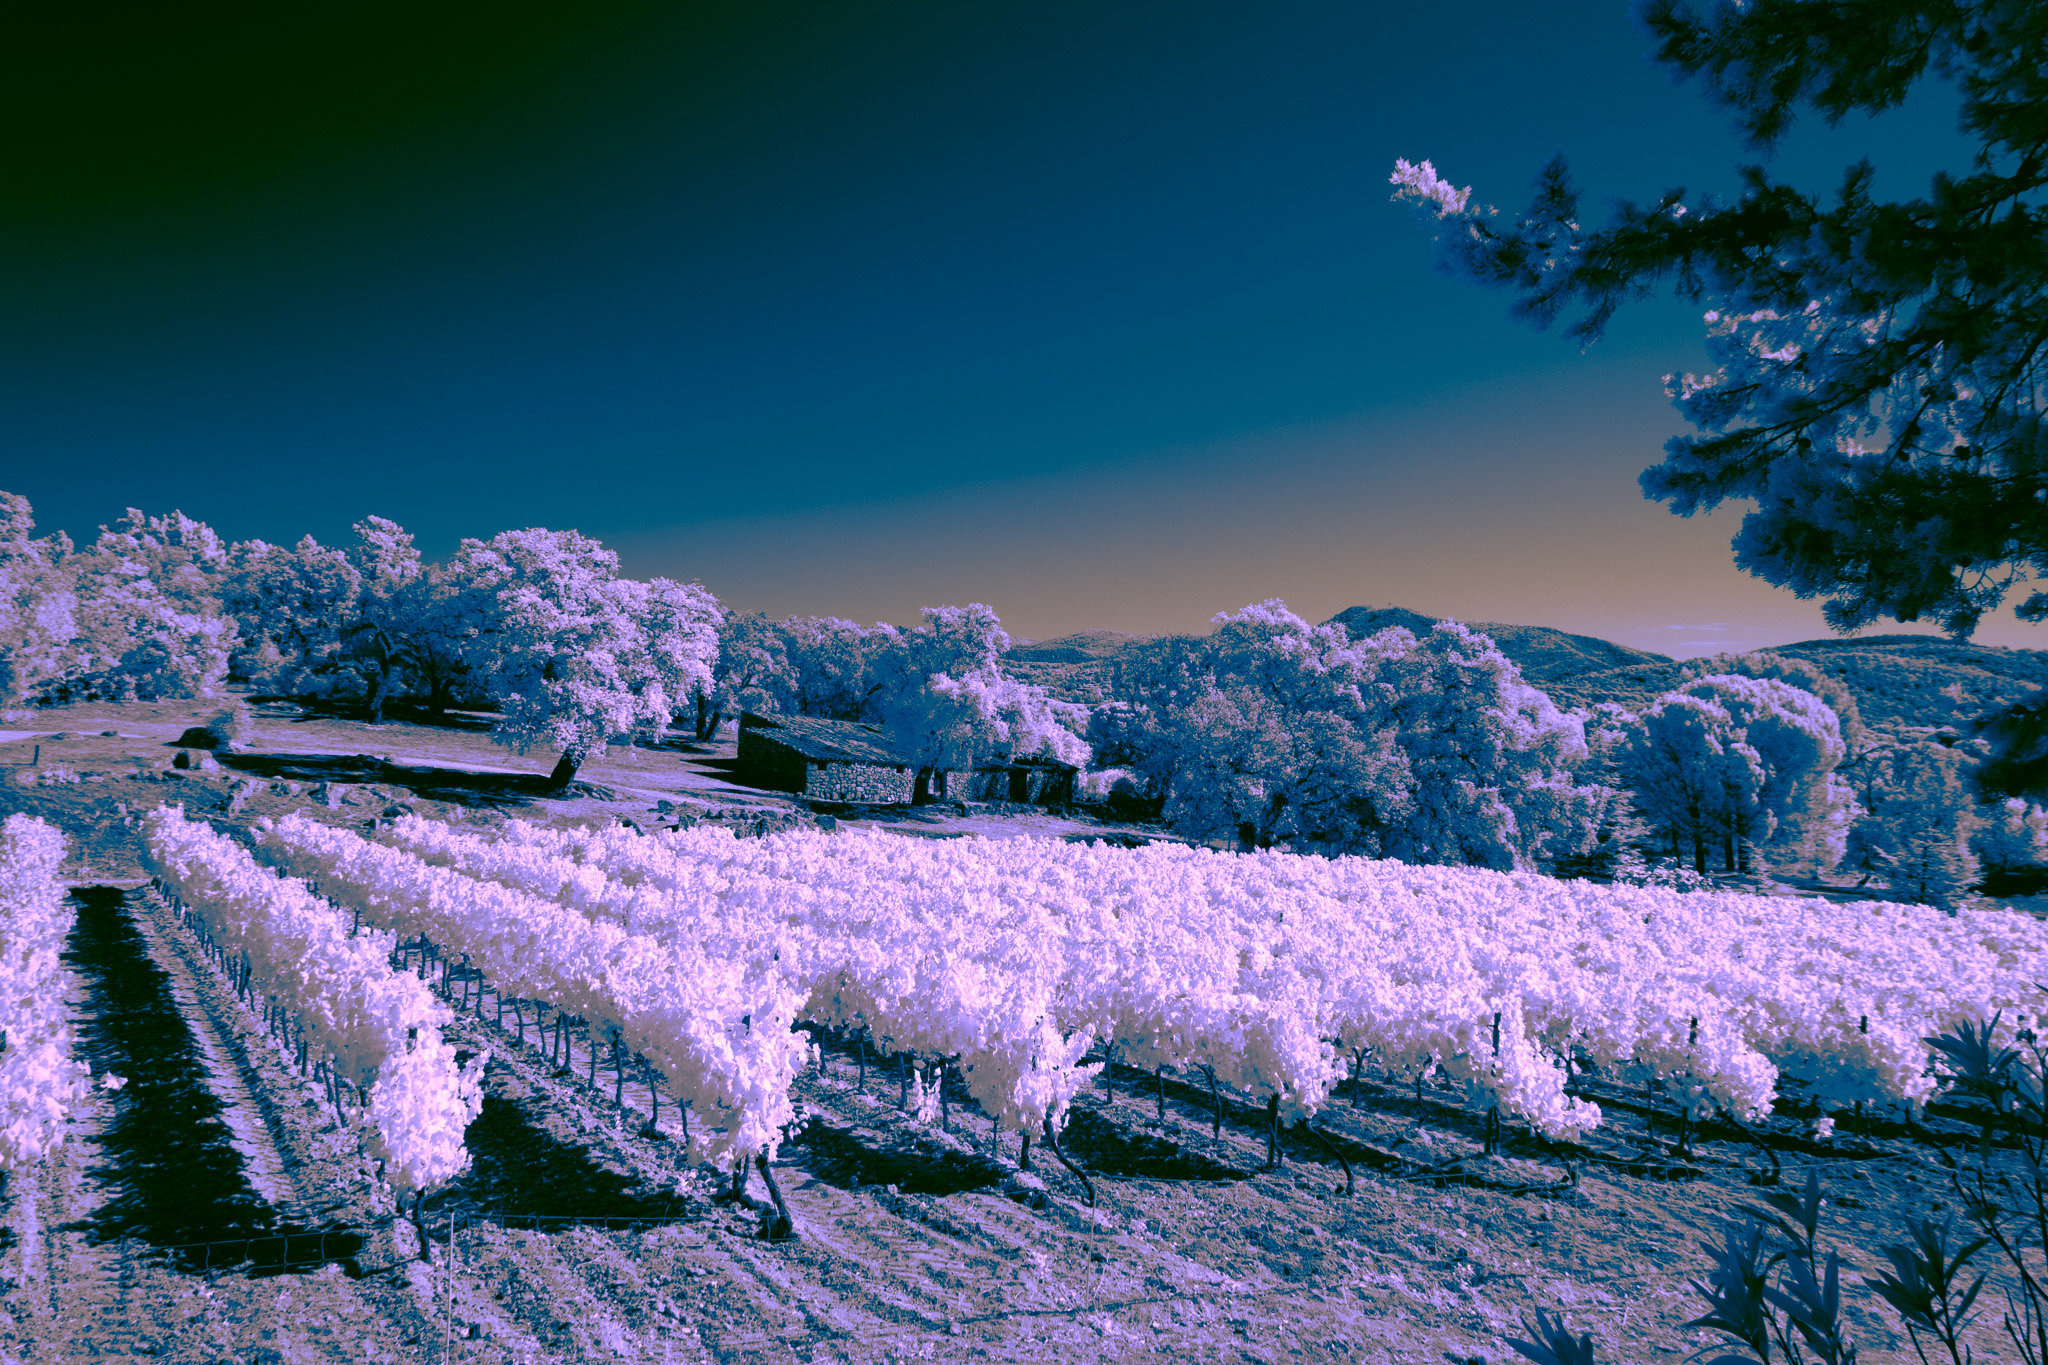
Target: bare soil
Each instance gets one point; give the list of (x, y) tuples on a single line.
[(577, 1236)]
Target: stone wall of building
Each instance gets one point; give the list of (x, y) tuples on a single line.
[(769, 763), (861, 782)]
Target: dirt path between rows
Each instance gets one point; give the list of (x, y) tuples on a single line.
[(198, 1144)]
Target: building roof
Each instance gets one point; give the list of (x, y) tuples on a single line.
[(848, 741), (828, 741)]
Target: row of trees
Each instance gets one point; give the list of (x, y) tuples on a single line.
[(1277, 731), (1270, 730), (1436, 750), (537, 624)]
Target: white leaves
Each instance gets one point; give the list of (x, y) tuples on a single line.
[(715, 1024), (1431, 750), (1014, 956), (370, 1019), (1729, 756), (1422, 186), (941, 690), (39, 1080), (575, 655)]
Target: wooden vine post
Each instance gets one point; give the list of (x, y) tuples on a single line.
[(1685, 1101), (419, 1226)]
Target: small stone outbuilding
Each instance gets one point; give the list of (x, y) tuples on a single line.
[(826, 760), (843, 760), (1024, 782)]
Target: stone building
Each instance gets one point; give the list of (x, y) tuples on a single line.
[(1023, 782), (843, 760), (826, 760)]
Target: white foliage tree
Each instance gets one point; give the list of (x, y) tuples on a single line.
[(1917, 830), (149, 608), (679, 628), (941, 691), (1730, 760), (751, 672), (831, 664), (1494, 761), (38, 610), (551, 630), (386, 634), (1877, 391), (293, 608), (957, 724), (1430, 750)]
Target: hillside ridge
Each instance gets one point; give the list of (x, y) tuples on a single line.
[(1543, 653), (1908, 680)]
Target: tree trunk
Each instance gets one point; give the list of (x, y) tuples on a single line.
[(565, 768), (707, 719), (379, 686), (1699, 850)]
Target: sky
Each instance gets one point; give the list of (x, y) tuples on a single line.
[(1098, 313)]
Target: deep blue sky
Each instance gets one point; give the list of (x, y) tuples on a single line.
[(1096, 312)]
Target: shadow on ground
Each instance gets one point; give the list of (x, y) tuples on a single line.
[(453, 785), (848, 1157), (520, 1169), (1097, 1144), (176, 1181), (308, 709)]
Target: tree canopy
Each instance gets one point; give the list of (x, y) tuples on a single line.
[(1431, 750), (1879, 374), (573, 654), (1731, 759)]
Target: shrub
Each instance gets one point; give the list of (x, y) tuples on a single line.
[(230, 730)]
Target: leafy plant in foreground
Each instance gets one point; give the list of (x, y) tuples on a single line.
[(1799, 1318)]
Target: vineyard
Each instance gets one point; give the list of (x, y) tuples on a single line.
[(513, 1091)]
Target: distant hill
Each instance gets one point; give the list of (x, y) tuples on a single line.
[(1544, 655), (1896, 679), (1083, 646)]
